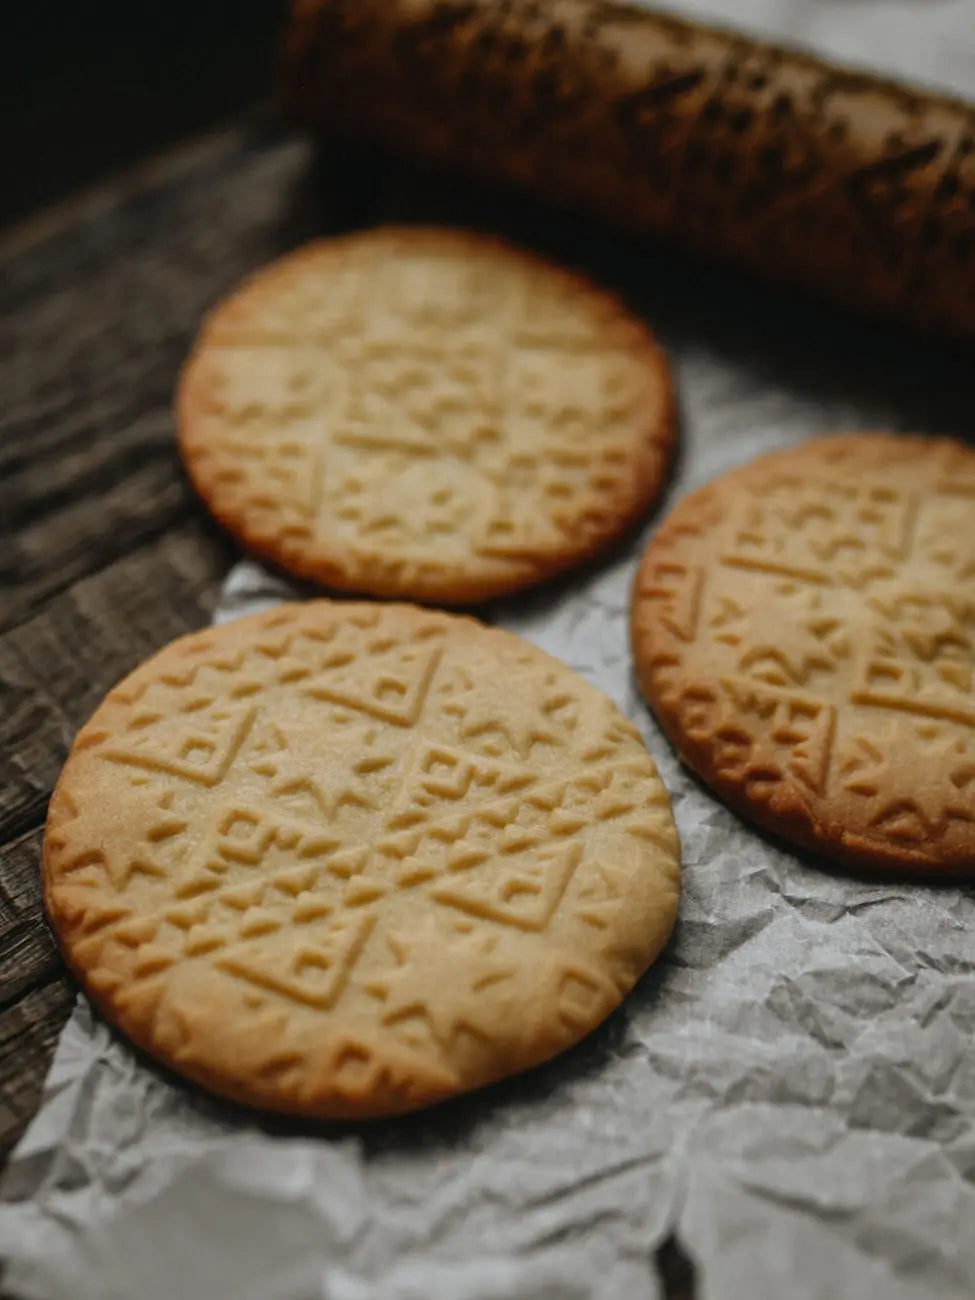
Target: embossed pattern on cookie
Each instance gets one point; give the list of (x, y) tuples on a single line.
[(424, 413), (346, 859), (804, 629)]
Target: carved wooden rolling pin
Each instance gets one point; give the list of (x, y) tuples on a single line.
[(847, 185)]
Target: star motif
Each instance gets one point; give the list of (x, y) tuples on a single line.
[(428, 967), (496, 718), (817, 640), (290, 775), (94, 824), (897, 794)]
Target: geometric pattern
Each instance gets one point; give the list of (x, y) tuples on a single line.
[(424, 413), (345, 858), (805, 631)]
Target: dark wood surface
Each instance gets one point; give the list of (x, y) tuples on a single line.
[(105, 554)]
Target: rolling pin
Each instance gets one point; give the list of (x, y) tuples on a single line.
[(834, 181)]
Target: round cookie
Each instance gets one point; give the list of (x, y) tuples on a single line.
[(804, 630), (346, 860), (424, 413)]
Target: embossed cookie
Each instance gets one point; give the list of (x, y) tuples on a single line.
[(347, 860), (804, 629), (424, 413)]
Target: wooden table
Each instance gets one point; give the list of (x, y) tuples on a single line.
[(105, 554)]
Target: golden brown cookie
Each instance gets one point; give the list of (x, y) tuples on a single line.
[(424, 413), (804, 629), (347, 860)]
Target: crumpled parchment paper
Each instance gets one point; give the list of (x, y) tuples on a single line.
[(928, 42), (790, 1091)]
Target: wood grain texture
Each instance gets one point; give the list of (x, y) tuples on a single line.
[(104, 553)]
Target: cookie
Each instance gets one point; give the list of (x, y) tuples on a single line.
[(346, 860), (804, 630), (424, 413)]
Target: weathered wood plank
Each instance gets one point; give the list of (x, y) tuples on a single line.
[(28, 1032), (104, 553), (28, 954)]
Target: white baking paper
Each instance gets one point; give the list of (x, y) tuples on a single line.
[(928, 42), (790, 1091)]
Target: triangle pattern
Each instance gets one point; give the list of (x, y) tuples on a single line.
[(200, 748), (525, 896), (444, 777), (312, 971), (392, 685)]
